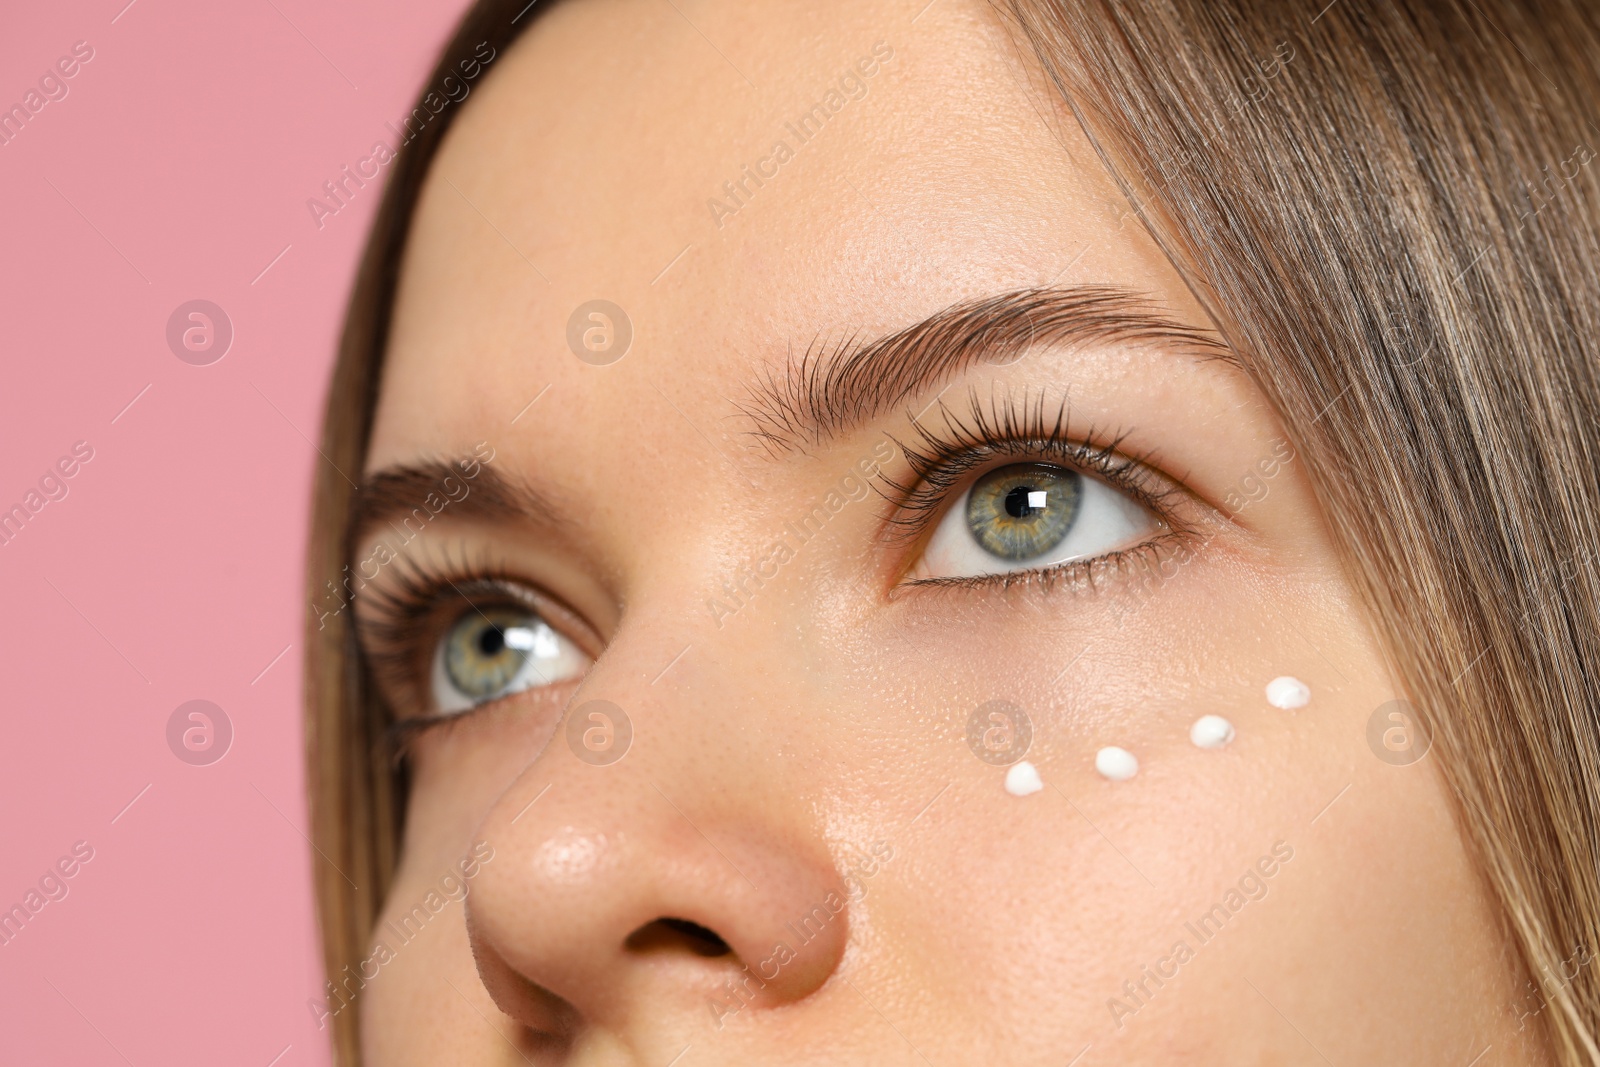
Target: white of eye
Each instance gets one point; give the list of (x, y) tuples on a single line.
[(1108, 520), (542, 641), (552, 659)]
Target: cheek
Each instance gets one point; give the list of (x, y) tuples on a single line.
[(1032, 916), (413, 981), (1110, 872), (458, 772)]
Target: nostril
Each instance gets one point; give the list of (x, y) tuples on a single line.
[(669, 934)]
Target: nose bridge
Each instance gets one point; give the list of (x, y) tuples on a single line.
[(676, 870)]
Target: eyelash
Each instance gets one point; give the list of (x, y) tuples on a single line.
[(1020, 430), (404, 612), (408, 611)]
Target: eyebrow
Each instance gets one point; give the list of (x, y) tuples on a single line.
[(828, 391), (835, 388), (400, 494)]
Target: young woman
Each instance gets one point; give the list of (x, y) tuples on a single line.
[(954, 533)]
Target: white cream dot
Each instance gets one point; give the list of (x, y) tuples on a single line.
[(1023, 779), (1211, 731), (1117, 764), (1287, 693)]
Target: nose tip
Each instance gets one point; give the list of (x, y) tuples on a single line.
[(612, 900)]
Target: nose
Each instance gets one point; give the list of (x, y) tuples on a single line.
[(628, 888)]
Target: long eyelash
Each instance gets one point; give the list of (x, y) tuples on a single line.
[(1020, 429), (390, 621), (392, 624)]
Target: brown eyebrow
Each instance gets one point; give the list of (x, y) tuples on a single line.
[(828, 391), (836, 388), (401, 494)]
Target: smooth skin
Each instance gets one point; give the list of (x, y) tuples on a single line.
[(781, 751)]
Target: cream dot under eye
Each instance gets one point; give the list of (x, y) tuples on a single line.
[(1117, 764), (1211, 731), (1023, 779), (1288, 693)]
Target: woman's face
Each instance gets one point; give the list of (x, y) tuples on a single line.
[(777, 581)]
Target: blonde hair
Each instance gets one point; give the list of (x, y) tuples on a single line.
[(1388, 212)]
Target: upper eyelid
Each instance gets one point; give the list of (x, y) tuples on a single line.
[(410, 585), (388, 610), (1008, 422), (975, 461)]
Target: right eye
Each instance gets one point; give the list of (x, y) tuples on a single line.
[(493, 652), (1033, 516)]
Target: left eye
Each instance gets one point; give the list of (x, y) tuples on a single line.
[(493, 652), (1030, 516)]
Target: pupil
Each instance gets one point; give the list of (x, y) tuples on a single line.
[(1017, 502), (491, 641)]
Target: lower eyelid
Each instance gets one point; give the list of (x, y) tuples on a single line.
[(539, 700), (1080, 576)]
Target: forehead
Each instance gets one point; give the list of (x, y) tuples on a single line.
[(739, 180)]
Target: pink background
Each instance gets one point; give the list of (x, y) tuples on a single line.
[(181, 161)]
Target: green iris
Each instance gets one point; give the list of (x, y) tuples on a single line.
[(487, 649), (1022, 511)]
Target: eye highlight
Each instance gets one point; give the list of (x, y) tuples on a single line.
[(493, 652)]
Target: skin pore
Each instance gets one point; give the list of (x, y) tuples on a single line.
[(799, 737)]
